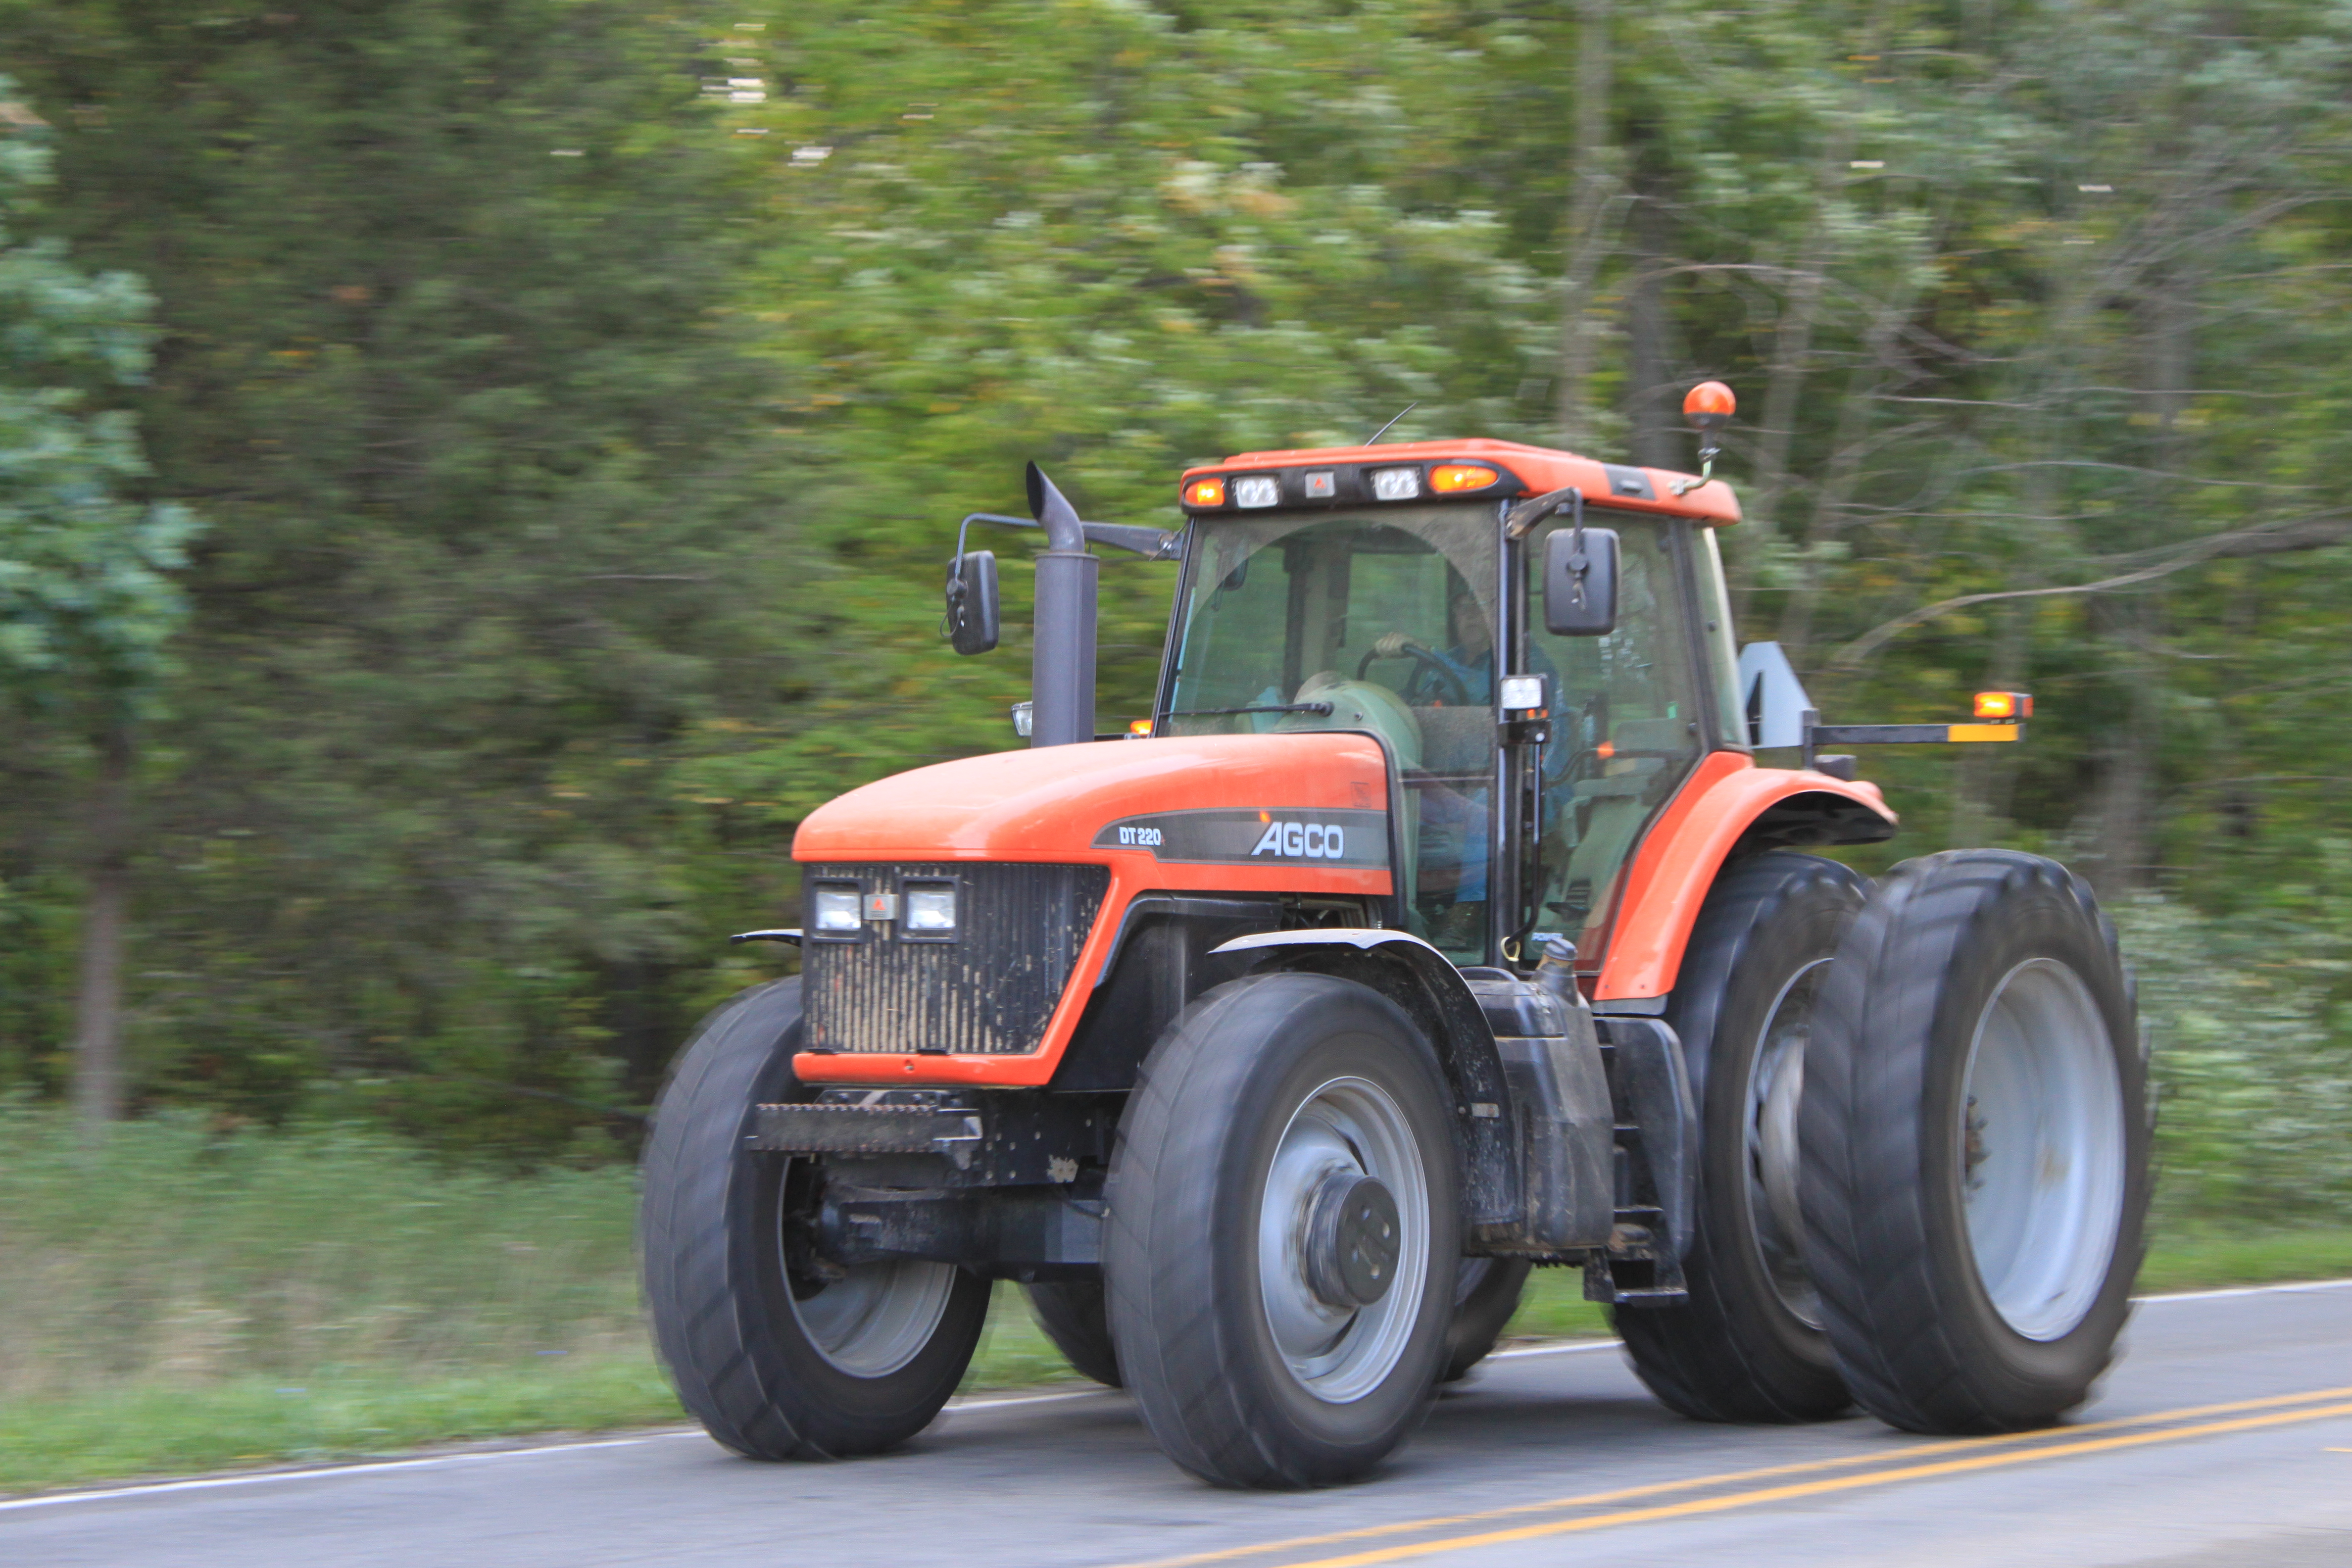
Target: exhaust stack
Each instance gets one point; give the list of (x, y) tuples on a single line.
[(1061, 674)]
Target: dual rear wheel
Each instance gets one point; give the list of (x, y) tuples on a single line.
[(1923, 1146)]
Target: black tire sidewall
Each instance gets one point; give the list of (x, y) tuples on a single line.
[(713, 1262), (1734, 1351), (1759, 965), (1075, 1315), (1220, 1090), (2021, 1375), (1481, 1316)]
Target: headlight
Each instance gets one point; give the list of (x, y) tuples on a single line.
[(835, 910), (1395, 484), (930, 909)]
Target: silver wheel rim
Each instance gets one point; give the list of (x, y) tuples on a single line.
[(1776, 1085), (1350, 1126), (876, 1317), (2042, 1146)]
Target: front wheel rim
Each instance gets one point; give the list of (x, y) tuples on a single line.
[(869, 1319), (2042, 1157), (1347, 1126)]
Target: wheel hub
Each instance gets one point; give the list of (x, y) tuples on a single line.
[(1352, 1239)]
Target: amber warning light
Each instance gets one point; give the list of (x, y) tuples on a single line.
[(1205, 492), (2009, 705), (1709, 404), (1449, 477), (1708, 407)]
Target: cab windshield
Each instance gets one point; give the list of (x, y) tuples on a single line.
[(1385, 620)]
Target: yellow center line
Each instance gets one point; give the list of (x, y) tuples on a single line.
[(1698, 1505), (1730, 1477)]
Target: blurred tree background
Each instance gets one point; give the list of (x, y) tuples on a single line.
[(578, 399)]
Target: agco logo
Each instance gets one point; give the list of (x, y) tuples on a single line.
[(1301, 840)]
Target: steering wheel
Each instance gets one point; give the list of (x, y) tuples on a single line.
[(1426, 661)]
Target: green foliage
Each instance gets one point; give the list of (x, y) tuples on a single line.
[(498, 550), (173, 1253), (580, 400), (86, 598), (2254, 1077)]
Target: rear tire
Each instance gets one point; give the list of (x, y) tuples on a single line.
[(1277, 1327), (1747, 1344), (776, 1359), (1076, 1318), (1486, 1294), (1975, 1144)]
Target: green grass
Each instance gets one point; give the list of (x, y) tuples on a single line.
[(175, 1301)]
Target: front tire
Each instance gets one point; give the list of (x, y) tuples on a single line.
[(1284, 1232), (1975, 1144), (1076, 1316), (1486, 1294), (779, 1355), (1747, 1344)]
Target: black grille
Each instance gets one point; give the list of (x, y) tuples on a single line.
[(988, 990)]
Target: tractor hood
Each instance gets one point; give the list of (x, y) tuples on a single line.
[(1231, 799)]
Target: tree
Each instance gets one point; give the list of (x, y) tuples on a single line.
[(499, 542), (87, 595)]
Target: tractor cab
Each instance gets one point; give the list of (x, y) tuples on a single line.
[(1407, 618)]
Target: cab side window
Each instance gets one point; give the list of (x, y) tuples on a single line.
[(1626, 729)]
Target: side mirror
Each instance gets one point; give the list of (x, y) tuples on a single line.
[(1581, 582), (972, 622)]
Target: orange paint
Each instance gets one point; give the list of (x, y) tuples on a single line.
[(1673, 870), (1047, 805), (1710, 400), (1538, 469)]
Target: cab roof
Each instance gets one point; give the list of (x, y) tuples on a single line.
[(1522, 470)]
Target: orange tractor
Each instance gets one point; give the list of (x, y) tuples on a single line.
[(1439, 923)]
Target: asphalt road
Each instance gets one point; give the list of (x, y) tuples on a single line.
[(2225, 1436)]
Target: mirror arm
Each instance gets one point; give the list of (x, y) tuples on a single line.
[(1526, 514), (1151, 544)]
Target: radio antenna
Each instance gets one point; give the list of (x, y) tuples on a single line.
[(1375, 436)]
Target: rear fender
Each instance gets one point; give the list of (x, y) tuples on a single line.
[(1729, 805), (1424, 982)]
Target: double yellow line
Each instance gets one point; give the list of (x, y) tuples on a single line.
[(1971, 1455)]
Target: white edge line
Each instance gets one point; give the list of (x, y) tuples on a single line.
[(435, 1461), (259, 1477), (1571, 1348), (2298, 1288), (997, 1404), (431, 1461)]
